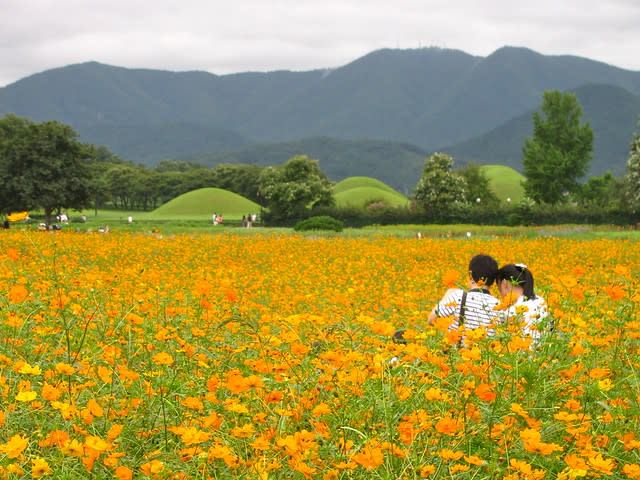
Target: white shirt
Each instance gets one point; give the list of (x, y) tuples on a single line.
[(478, 311), (529, 312)]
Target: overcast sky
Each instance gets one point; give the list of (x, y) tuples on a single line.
[(262, 35)]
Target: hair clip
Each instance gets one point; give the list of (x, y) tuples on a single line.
[(521, 266)]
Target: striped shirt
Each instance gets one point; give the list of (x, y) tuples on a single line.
[(478, 311)]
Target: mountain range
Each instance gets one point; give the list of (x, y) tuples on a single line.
[(411, 101)]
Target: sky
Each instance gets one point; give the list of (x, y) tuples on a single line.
[(224, 37)]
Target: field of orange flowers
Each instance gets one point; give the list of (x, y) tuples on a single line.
[(269, 357)]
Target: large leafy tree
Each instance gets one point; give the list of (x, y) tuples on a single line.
[(633, 172), (441, 188), (293, 189), (42, 165), (559, 152)]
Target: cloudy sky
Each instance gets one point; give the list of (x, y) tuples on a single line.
[(262, 35)]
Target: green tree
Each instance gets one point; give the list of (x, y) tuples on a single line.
[(604, 192), (633, 172), (293, 189), (479, 191), (240, 179), (43, 166), (440, 188), (122, 180), (558, 154)]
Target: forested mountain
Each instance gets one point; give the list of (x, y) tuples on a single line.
[(339, 159), (612, 112), (430, 97)]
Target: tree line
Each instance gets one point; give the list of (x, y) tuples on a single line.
[(44, 165)]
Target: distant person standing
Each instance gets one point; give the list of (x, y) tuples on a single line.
[(214, 219)]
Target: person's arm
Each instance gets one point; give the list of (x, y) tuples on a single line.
[(434, 312), (433, 315)]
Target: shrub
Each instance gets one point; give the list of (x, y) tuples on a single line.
[(323, 222)]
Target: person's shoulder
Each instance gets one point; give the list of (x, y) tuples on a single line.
[(451, 295), (453, 292), (485, 297), (538, 301)]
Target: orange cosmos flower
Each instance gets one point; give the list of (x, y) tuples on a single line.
[(114, 432), (602, 465), (447, 454), (575, 462), (236, 383), (152, 468), (12, 254), (449, 426), (55, 438), (321, 409), (532, 443), (450, 278), (193, 436), (369, 457), (193, 403), (485, 392), (18, 293), (123, 473), (598, 372), (163, 358), (427, 470), (273, 397), (474, 460), (245, 431), (632, 471), (616, 292)]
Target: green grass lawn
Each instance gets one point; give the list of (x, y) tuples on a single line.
[(505, 182), (202, 203), (358, 182), (143, 223), (362, 196)]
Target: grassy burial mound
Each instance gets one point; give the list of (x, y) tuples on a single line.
[(505, 182), (202, 203), (362, 191)]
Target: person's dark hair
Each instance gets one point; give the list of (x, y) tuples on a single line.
[(518, 274), (483, 267)]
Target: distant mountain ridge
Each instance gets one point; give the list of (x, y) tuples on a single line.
[(611, 111), (431, 98)]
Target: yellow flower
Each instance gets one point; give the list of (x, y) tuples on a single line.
[(29, 370), (605, 385), (73, 448), (26, 396), (39, 468)]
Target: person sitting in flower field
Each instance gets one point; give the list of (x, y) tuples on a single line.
[(473, 308), (519, 301)]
